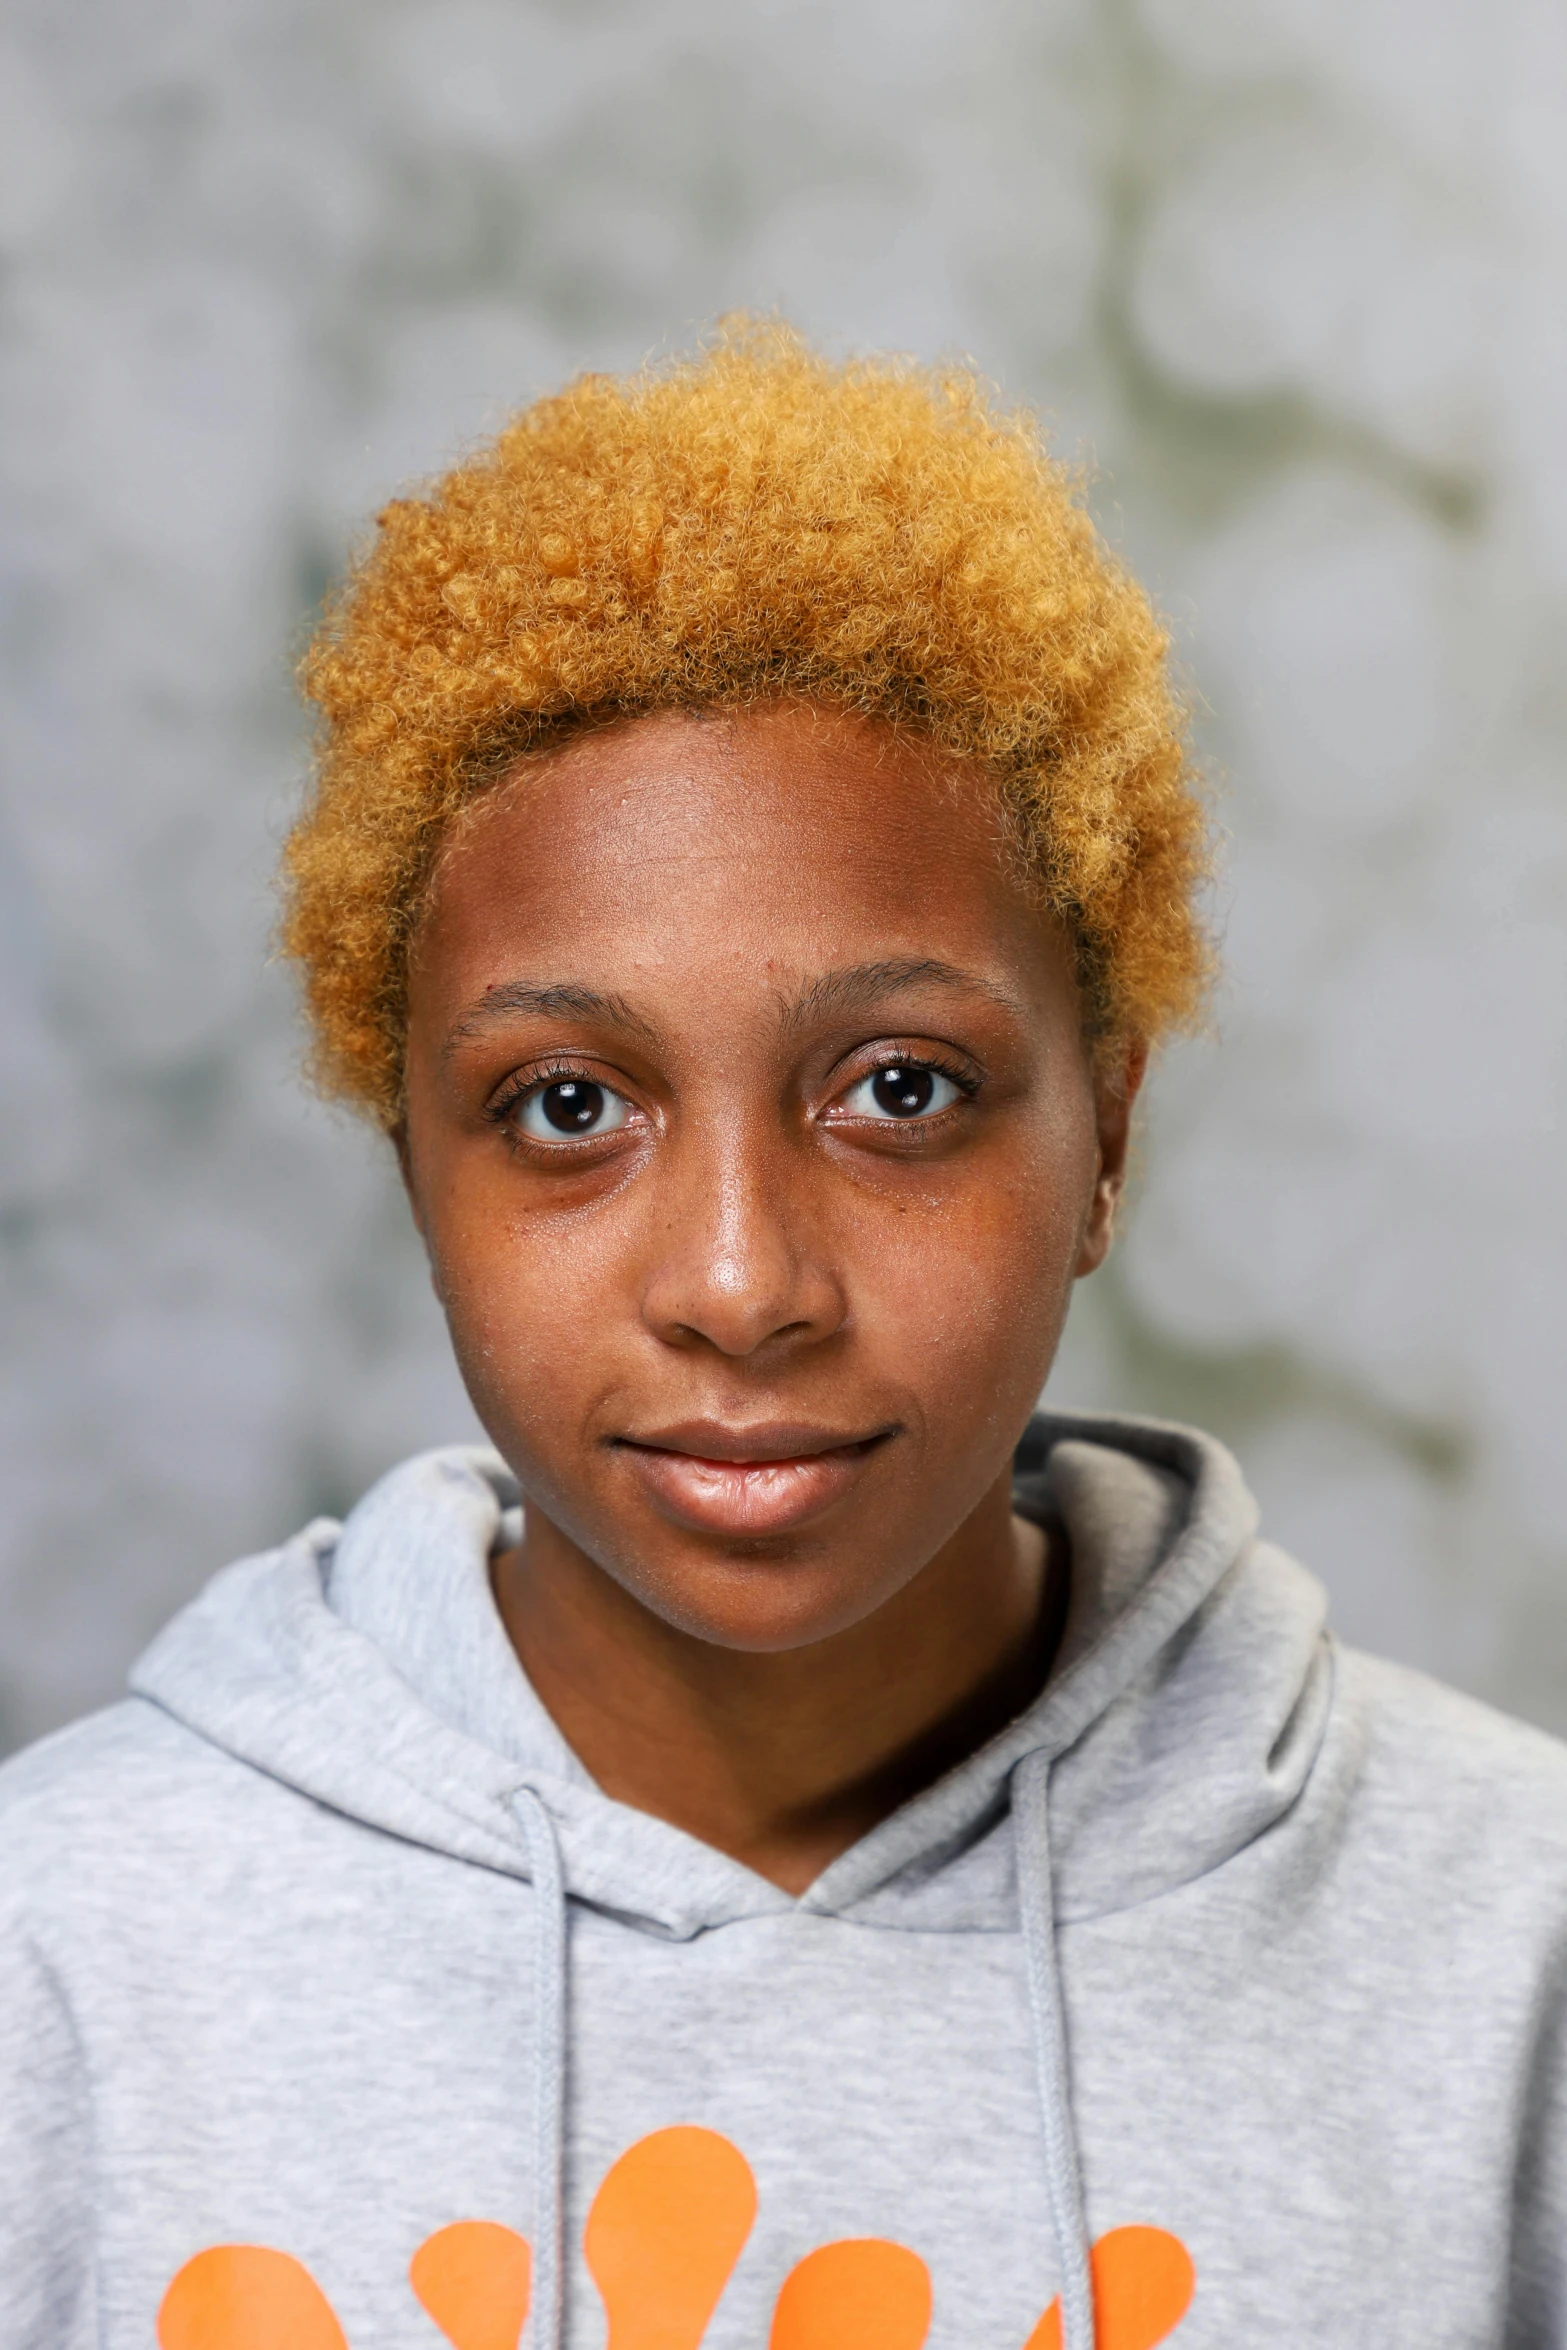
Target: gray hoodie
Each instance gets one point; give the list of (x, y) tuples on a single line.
[(1219, 1998)]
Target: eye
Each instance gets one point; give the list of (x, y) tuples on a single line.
[(569, 1108), (902, 1089)]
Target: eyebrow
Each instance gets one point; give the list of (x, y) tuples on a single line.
[(559, 999), (857, 987), (860, 986)]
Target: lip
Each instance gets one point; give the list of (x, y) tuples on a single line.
[(764, 1479)]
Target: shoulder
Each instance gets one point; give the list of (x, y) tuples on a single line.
[(96, 1801), (1422, 1724), (85, 1765), (1454, 1783)]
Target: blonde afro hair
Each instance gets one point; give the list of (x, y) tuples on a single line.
[(752, 522)]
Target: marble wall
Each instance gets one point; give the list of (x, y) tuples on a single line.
[(1292, 272)]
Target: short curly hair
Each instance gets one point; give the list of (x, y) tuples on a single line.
[(748, 523)]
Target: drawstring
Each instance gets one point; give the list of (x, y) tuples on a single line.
[(1036, 1902), (549, 2064)]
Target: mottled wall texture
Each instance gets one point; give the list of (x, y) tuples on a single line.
[(1293, 273)]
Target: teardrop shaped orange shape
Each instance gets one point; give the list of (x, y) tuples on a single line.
[(666, 2228), (1143, 2286), (862, 2294), (245, 2297), (474, 2278)]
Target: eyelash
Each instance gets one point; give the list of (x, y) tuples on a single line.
[(518, 1089), (966, 1082)]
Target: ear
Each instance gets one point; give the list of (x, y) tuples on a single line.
[(1117, 1081)]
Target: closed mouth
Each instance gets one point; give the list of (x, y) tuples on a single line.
[(771, 1444), (748, 1482)]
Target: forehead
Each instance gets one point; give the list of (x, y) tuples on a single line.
[(766, 843)]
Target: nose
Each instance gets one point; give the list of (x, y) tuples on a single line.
[(740, 1263)]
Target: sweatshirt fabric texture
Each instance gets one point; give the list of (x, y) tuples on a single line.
[(1218, 1999)]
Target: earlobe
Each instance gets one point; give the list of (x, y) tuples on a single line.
[(1099, 1225), (1115, 1098)]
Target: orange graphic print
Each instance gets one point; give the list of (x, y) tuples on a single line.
[(243, 2297), (474, 2279), (665, 2231), (864, 2295), (1143, 2285)]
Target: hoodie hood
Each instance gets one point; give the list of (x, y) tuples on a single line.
[(365, 1665), (1218, 1996)]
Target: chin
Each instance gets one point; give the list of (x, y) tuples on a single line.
[(758, 1607)]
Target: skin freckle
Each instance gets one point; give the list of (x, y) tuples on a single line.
[(829, 1149)]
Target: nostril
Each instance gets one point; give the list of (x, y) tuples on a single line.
[(712, 1303), (742, 1338)]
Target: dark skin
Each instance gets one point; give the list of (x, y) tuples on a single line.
[(756, 1145)]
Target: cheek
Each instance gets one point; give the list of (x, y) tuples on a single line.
[(969, 1294), (528, 1304)]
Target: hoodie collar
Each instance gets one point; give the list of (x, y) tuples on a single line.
[(367, 1666)]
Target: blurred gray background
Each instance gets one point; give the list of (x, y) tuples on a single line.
[(1293, 273)]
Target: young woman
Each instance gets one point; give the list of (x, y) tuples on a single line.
[(788, 1849)]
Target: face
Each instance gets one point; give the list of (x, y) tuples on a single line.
[(755, 1143)]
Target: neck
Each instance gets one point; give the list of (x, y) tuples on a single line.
[(785, 1760)]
